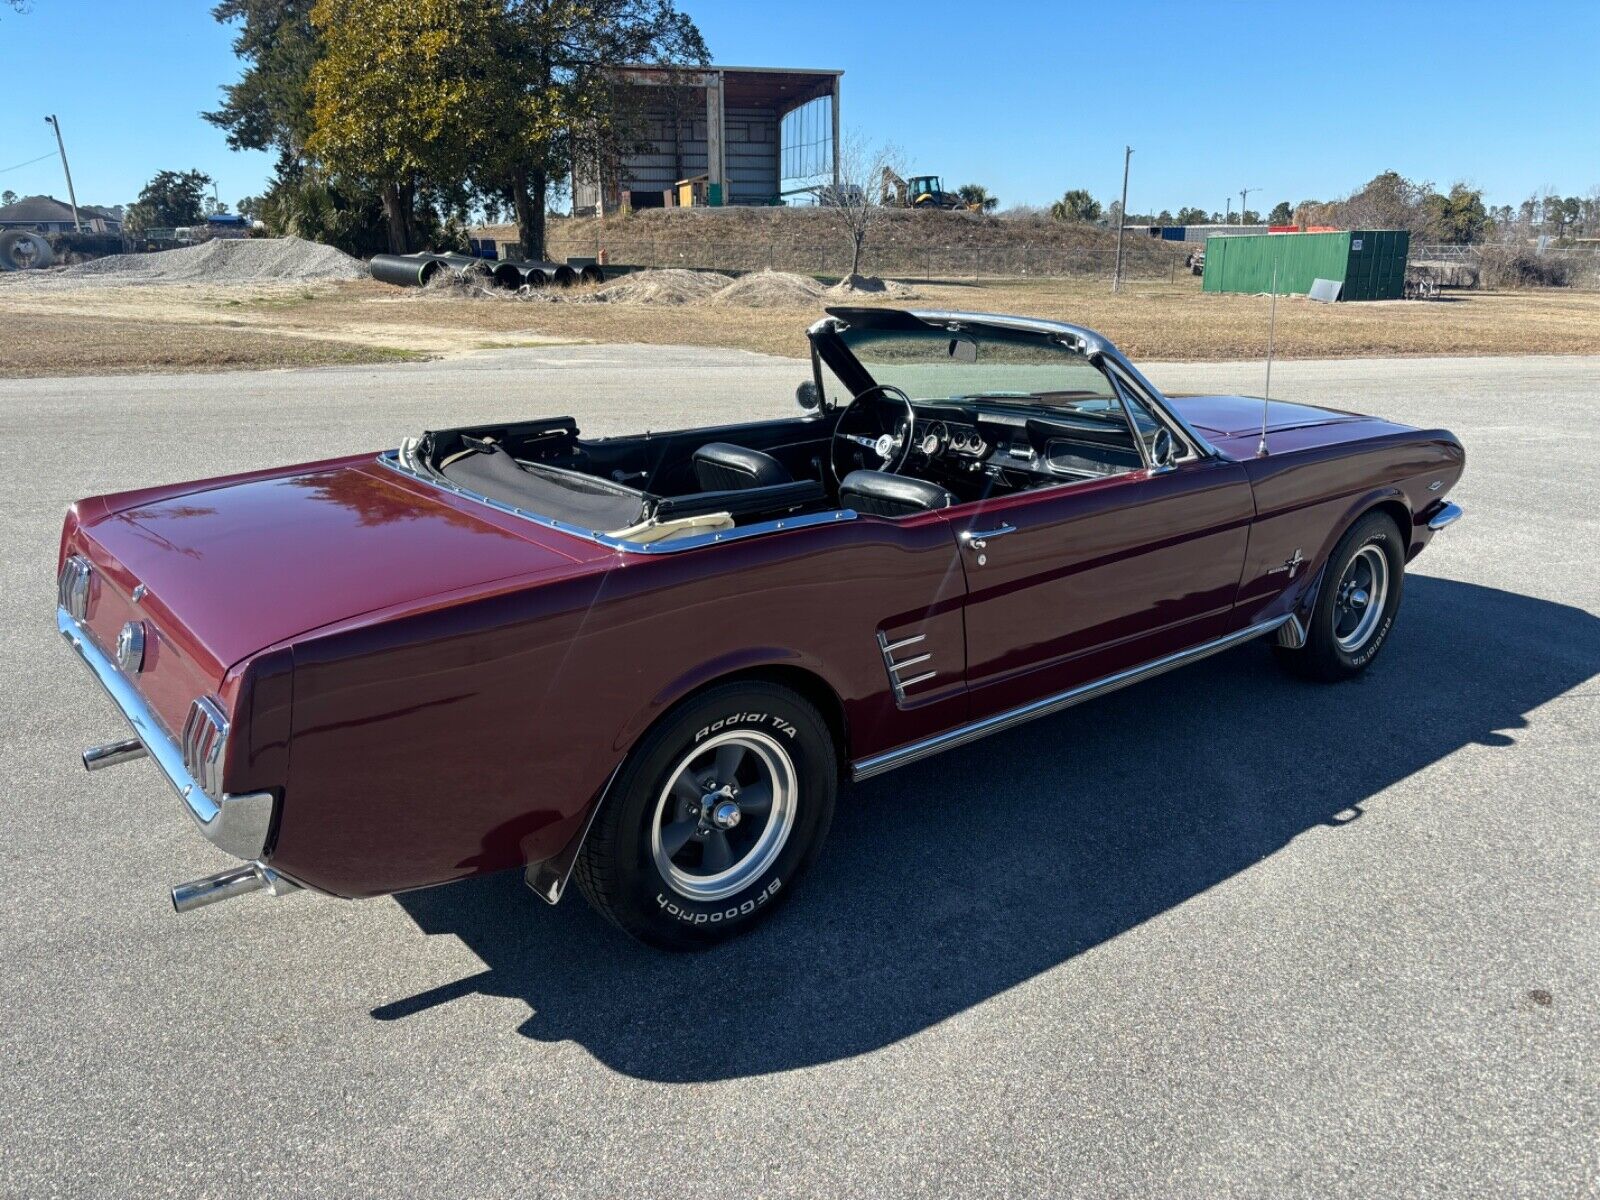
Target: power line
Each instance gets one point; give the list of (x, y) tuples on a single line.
[(29, 163)]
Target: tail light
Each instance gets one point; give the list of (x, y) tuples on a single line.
[(205, 739), (72, 586)]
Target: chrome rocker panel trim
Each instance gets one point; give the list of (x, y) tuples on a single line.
[(1445, 517), (866, 768), (398, 460), (236, 824)]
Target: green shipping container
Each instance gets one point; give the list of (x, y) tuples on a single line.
[(1369, 264)]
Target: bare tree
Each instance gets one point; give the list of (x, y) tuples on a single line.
[(858, 200)]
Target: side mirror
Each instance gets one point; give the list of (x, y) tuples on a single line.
[(1163, 450), (808, 395)]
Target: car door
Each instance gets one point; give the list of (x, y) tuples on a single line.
[(1072, 583)]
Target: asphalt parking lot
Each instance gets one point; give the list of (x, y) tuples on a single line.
[(1222, 934)]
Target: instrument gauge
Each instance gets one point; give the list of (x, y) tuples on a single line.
[(934, 436)]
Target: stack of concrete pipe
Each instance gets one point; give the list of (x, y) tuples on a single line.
[(415, 270), (21, 249)]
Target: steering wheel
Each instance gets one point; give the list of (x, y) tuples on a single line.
[(880, 421)]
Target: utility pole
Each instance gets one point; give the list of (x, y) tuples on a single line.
[(1243, 193), (62, 146), (1122, 219)]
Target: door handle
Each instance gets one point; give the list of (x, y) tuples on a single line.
[(979, 538)]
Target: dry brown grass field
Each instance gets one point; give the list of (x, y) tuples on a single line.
[(195, 327)]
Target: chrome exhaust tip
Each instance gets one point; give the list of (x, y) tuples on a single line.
[(96, 758), (225, 885)]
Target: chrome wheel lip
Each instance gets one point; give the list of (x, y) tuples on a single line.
[(777, 768), (1366, 601)]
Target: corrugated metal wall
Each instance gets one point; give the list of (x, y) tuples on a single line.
[(750, 150), (1377, 265), (1370, 264)]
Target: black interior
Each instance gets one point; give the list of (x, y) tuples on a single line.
[(962, 450)]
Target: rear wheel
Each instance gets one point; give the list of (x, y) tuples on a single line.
[(1356, 605), (713, 818)]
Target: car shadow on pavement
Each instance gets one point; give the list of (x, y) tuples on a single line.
[(947, 882)]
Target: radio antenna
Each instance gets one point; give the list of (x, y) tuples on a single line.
[(1266, 397)]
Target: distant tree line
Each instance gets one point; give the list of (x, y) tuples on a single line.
[(393, 120), (1387, 201)]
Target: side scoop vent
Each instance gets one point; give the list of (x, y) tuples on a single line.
[(907, 670), (205, 738)]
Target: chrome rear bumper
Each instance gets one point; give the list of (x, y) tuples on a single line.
[(237, 824)]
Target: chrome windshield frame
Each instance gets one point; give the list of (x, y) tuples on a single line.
[(1095, 346)]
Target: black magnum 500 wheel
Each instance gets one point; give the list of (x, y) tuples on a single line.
[(1356, 604), (713, 818)]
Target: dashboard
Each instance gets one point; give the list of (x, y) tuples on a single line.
[(1011, 446)]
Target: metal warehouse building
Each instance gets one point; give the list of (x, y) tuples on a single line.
[(1368, 264), (754, 133)]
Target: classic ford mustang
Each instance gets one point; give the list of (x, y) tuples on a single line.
[(648, 661)]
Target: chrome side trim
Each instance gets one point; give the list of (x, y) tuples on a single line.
[(396, 461), (897, 682), (866, 768), (1445, 517), (237, 824)]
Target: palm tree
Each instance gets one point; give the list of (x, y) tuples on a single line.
[(977, 197), (1076, 205)]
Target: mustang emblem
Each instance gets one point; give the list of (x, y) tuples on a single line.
[(1290, 565)]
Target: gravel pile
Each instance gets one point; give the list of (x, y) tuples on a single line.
[(669, 286), (673, 287), (769, 289), (221, 262)]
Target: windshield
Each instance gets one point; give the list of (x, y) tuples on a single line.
[(937, 364)]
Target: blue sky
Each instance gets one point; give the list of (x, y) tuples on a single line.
[(1028, 98)]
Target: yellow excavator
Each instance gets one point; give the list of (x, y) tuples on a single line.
[(921, 191)]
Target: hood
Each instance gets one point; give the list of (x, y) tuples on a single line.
[(244, 564), (1229, 416)]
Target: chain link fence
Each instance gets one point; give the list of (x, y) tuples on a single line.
[(1580, 266), (1142, 261)]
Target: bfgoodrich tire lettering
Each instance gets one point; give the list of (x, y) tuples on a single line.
[(1356, 604), (716, 814)]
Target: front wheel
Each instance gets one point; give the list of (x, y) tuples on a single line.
[(1356, 605), (713, 818)]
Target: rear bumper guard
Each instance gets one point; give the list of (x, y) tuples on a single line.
[(236, 824), (1447, 516)]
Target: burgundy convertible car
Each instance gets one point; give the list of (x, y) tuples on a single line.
[(647, 661)]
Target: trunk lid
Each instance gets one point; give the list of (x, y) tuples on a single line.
[(231, 567)]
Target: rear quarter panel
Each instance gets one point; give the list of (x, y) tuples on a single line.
[(473, 735)]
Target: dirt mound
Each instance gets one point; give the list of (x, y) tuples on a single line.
[(769, 289), (220, 262), (669, 286), (869, 285), (904, 243)]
